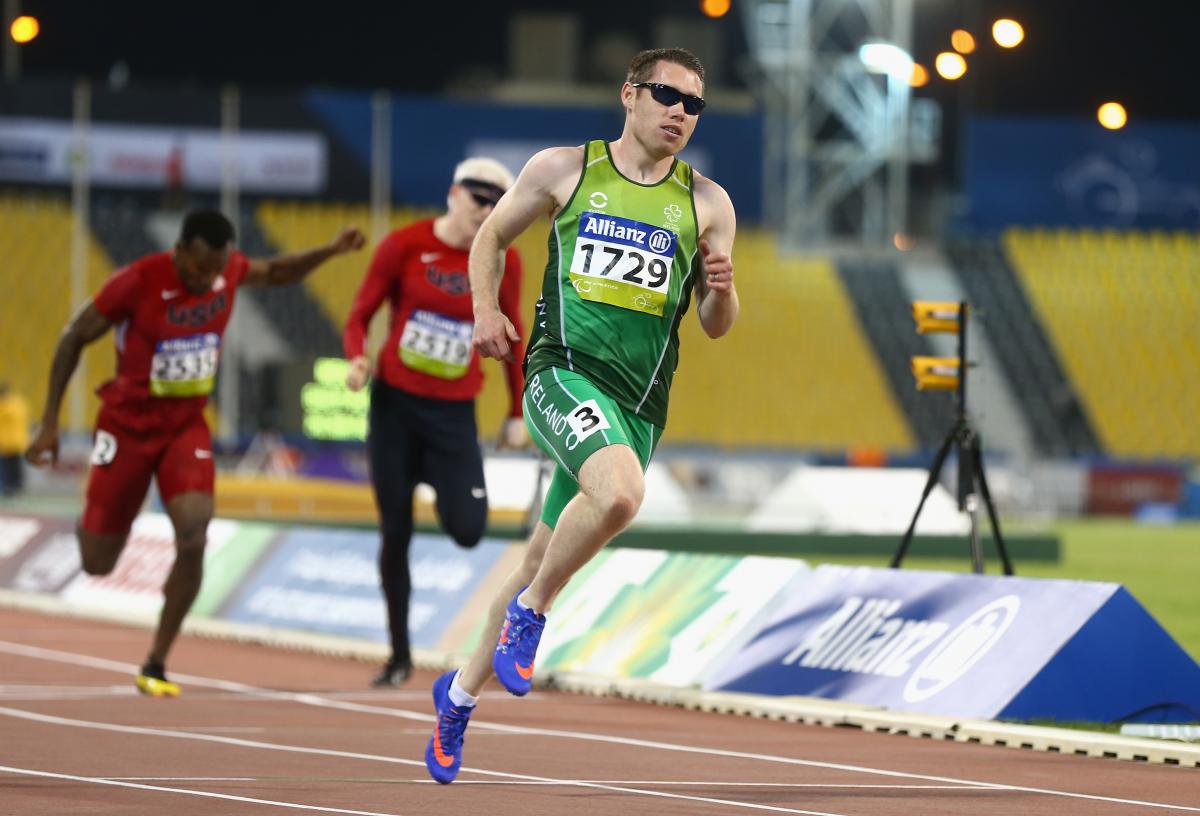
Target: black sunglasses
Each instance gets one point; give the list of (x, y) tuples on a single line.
[(668, 96), (484, 193), (483, 200)]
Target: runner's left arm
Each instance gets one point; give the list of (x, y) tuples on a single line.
[(716, 297), (282, 270)]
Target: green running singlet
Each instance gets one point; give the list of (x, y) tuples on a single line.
[(623, 262)]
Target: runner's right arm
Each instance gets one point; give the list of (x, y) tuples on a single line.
[(381, 276), (88, 326), (536, 192)]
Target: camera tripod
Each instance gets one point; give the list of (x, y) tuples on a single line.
[(972, 481), (971, 478)]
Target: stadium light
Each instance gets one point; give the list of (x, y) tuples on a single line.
[(920, 76), (24, 29), (1112, 115), (1007, 33), (950, 65), (714, 8), (962, 41), (885, 58)]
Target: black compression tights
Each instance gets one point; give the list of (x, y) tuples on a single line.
[(397, 586)]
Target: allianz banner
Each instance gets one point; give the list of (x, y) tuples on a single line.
[(969, 645)]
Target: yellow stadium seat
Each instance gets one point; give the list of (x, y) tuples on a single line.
[(1122, 309), (35, 238)]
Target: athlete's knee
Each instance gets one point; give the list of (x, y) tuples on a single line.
[(467, 533), (620, 501), (98, 554), (190, 542), (464, 523), (97, 563)]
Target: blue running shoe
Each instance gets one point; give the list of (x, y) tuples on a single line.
[(443, 755), (515, 650)]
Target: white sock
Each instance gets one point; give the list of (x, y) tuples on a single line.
[(521, 603), (458, 695)]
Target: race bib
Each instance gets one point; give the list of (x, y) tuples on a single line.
[(623, 262), (436, 345), (185, 366)]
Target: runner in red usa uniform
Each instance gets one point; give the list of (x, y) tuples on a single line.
[(169, 311)]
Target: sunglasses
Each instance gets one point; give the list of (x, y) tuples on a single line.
[(668, 96), (483, 193), (483, 200)]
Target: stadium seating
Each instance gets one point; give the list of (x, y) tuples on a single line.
[(1122, 311), (881, 305), (35, 241), (1032, 366), (796, 371)]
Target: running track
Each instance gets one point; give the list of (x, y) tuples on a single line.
[(262, 731)]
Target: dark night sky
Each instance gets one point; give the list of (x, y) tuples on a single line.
[(1077, 54)]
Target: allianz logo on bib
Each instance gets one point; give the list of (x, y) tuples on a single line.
[(628, 232), (865, 636)]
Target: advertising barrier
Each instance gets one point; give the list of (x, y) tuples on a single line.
[(969, 645), (668, 617), (914, 641), (327, 581)]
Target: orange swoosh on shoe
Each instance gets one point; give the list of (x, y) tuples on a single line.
[(504, 633), (526, 672), (438, 753)]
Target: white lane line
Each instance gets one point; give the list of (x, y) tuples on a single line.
[(274, 746), (207, 794), (706, 783), (314, 700), (179, 778)]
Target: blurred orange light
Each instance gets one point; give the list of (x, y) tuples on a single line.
[(920, 75), (24, 28), (950, 65), (902, 241), (714, 8), (1112, 115), (1007, 33), (962, 41)]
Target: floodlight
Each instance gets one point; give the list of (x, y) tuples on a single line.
[(885, 58)]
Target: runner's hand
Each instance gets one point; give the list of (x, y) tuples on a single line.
[(512, 435), (360, 370), (44, 448), (494, 337), (350, 238), (718, 269)]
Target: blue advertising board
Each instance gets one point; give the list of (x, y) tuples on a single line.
[(327, 581), (726, 145), (1073, 172), (969, 645)]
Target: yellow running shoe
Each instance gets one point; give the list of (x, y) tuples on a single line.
[(152, 681)]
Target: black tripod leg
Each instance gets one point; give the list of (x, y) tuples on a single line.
[(934, 470), (977, 457)]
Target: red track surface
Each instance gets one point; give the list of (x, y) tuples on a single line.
[(266, 731)]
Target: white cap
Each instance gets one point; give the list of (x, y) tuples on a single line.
[(483, 169)]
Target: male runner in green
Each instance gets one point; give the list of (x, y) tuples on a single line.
[(635, 234)]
